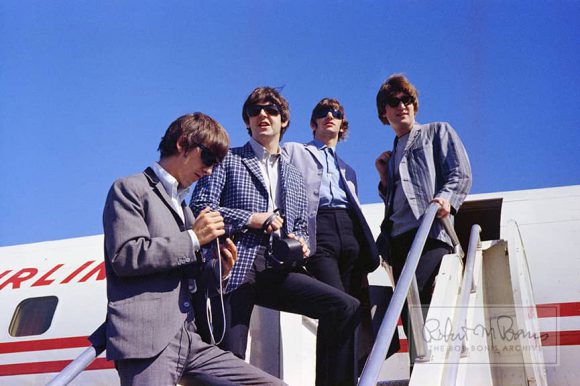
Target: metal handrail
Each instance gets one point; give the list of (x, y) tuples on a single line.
[(417, 321), (77, 366), (384, 337), (452, 363), (452, 235)]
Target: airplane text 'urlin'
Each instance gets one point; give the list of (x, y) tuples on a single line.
[(33, 277)]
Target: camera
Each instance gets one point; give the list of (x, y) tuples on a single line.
[(284, 252)]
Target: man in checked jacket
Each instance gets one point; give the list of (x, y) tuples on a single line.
[(247, 188), (428, 163)]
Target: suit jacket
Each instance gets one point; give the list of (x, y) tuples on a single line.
[(149, 261), (237, 189), (309, 161), (434, 164)]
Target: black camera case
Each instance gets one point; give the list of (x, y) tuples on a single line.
[(284, 252)]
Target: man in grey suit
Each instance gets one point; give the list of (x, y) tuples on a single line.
[(428, 163), (152, 259)]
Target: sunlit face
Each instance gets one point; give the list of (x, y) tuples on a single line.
[(192, 167), (266, 124), (328, 125), (401, 116)]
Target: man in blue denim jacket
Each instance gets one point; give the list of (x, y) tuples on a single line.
[(428, 163)]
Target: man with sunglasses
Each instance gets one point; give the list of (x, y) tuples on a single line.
[(428, 163), (153, 266), (247, 188), (343, 247)]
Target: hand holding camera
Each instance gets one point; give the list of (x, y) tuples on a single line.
[(283, 252)]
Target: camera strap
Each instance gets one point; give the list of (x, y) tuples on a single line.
[(208, 301)]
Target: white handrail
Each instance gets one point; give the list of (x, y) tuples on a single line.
[(459, 321), (384, 337), (76, 367)]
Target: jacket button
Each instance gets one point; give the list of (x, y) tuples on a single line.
[(186, 304)]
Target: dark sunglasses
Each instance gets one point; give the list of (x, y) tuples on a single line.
[(254, 110), (323, 112), (207, 157), (406, 99)]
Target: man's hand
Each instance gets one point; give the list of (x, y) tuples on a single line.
[(229, 254), (208, 225), (305, 249), (382, 165), (445, 207), (257, 221)]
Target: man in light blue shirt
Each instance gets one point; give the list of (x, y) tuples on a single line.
[(342, 245)]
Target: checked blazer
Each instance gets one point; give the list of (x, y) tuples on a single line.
[(237, 189)]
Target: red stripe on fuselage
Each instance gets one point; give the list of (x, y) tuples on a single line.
[(553, 338), (50, 367), (44, 344), (558, 310)]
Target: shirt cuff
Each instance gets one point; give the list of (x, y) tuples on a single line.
[(194, 240)]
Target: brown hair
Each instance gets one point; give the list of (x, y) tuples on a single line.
[(335, 104), (193, 129), (267, 95), (395, 84)]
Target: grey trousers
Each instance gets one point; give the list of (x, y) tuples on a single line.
[(190, 361)]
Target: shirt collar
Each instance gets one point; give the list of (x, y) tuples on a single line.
[(321, 146), (261, 151), (170, 183)]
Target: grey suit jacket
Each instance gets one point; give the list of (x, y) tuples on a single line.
[(307, 159), (434, 164), (149, 259)]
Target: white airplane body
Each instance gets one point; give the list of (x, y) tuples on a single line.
[(53, 294)]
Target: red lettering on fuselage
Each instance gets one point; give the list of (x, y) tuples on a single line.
[(5, 273), (76, 272), (23, 277), (20, 276), (99, 270), (43, 280)]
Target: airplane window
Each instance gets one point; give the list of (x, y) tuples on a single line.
[(33, 316)]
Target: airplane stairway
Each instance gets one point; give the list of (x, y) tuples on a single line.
[(482, 326)]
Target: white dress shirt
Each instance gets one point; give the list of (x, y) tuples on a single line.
[(269, 168), (177, 196)]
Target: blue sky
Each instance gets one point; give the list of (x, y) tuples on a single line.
[(87, 88)]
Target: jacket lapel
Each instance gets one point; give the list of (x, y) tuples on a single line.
[(352, 197), (413, 135), (251, 161), (160, 191), (313, 149), (282, 179)]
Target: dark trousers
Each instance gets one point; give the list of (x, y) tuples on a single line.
[(338, 314), (427, 270), (337, 250)]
